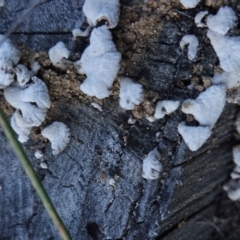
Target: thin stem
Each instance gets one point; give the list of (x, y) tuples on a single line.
[(26, 164)]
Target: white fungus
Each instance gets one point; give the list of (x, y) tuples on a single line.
[(38, 154), (22, 131), (36, 92), (237, 123), (208, 106), (192, 42), (233, 189), (194, 137), (224, 20), (58, 134), (131, 93), (151, 165), (227, 49), (230, 79), (97, 10), (189, 3), (8, 51), (100, 62), (80, 33), (165, 107), (23, 74), (236, 155), (57, 53), (6, 73), (35, 66), (198, 19), (43, 165), (97, 106)]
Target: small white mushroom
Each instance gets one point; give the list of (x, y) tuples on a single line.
[(100, 58), (208, 106), (194, 137), (225, 19), (165, 107), (57, 53), (198, 19), (192, 42), (58, 134), (189, 3), (131, 93), (38, 154), (151, 165), (97, 10)]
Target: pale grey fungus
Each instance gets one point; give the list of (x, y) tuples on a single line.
[(38, 154), (192, 42), (165, 107)]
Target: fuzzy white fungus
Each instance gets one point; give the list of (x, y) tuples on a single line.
[(57, 53), (100, 62), (194, 137), (198, 19), (151, 165), (165, 107), (58, 134), (97, 10), (227, 49), (189, 3), (208, 106), (225, 19), (131, 93), (192, 42), (236, 155)]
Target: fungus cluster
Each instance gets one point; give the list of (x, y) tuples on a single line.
[(207, 108)]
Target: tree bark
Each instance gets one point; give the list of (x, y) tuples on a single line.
[(186, 202)]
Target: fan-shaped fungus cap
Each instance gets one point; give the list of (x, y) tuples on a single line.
[(58, 134)]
